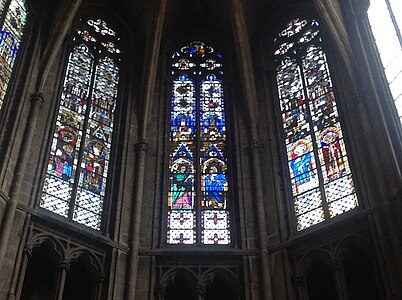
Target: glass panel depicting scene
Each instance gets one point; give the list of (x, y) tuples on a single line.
[(75, 183), (320, 176), (198, 185)]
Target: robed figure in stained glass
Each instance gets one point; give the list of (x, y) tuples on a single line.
[(215, 184), (94, 166), (332, 152), (181, 188), (62, 164), (301, 163)]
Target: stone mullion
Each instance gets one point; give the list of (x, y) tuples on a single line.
[(99, 287), (61, 279), (299, 283), (160, 293), (200, 292), (340, 281)]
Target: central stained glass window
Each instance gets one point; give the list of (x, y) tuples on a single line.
[(198, 186), (75, 182), (321, 178)]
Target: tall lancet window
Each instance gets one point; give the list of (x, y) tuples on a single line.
[(75, 182), (198, 186), (320, 175), (386, 22), (13, 15)]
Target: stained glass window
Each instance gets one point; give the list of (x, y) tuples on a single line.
[(386, 23), (198, 186), (320, 176), (75, 182), (13, 18)]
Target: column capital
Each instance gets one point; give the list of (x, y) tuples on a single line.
[(160, 291), (28, 251), (64, 265), (200, 291), (337, 265), (255, 145), (37, 97), (299, 280), (141, 146)]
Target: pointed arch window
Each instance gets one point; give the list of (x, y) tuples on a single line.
[(385, 18), (320, 175), (13, 16), (76, 177), (198, 186)]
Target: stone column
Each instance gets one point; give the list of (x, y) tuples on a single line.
[(141, 149), (61, 279), (131, 278), (23, 156), (250, 97), (340, 282), (99, 287), (160, 293), (200, 292), (24, 264), (21, 262), (299, 284)]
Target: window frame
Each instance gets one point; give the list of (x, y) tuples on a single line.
[(73, 41), (166, 99), (274, 62)]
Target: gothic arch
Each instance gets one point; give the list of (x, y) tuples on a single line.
[(94, 261), (40, 239)]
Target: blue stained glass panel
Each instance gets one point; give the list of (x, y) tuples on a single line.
[(197, 164)]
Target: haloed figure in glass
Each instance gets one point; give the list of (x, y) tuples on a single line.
[(62, 164), (332, 152), (181, 188), (94, 166), (301, 162), (215, 185)]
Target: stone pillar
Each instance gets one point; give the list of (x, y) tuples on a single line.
[(99, 287), (61, 279), (131, 278), (24, 264), (299, 284), (200, 292), (21, 262), (250, 97), (141, 149), (160, 293), (340, 281), (23, 156)]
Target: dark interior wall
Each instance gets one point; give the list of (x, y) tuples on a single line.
[(41, 276)]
